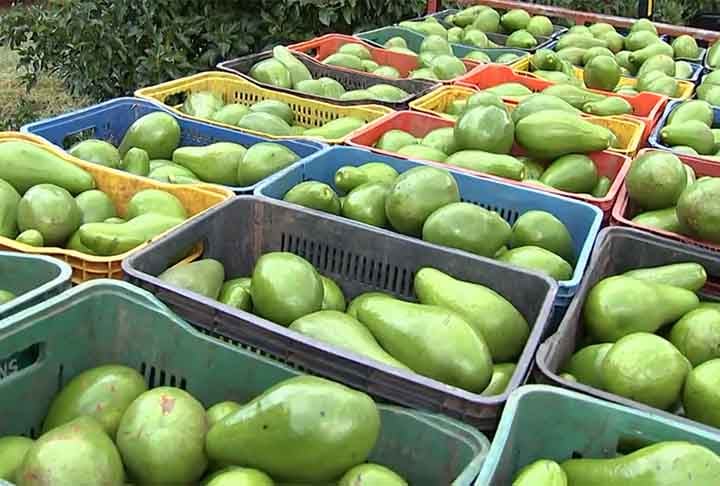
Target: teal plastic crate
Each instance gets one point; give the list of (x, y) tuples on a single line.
[(544, 422), (106, 321)]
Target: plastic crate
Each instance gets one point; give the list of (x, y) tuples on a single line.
[(359, 259), (543, 422), (350, 80), (99, 323), (619, 250), (110, 120), (647, 107), (609, 163), (33, 279), (120, 186), (655, 141), (379, 37), (624, 210), (234, 89), (322, 47), (582, 221)]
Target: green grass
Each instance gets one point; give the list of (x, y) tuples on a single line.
[(19, 106)]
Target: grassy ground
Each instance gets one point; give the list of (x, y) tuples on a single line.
[(19, 106)]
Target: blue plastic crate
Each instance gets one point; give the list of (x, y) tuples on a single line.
[(656, 142), (543, 422), (510, 201), (110, 120)]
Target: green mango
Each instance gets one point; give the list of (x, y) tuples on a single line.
[(435, 44), (104, 393), (156, 133), (486, 128), (713, 56), (314, 195), (217, 163), (204, 277), (496, 164), (709, 93), (515, 19), (478, 56), (346, 332), (586, 364), (692, 133), (274, 107), (556, 76), (552, 133), (521, 39), (239, 476), (51, 210), (236, 293), (594, 52), (344, 60), (387, 72), (612, 105), (619, 305), (333, 297), (156, 420), (232, 113), (542, 229), (447, 66), (602, 72), (639, 56), (502, 326), (355, 303), (366, 203), (696, 212), (136, 161), (285, 287), (442, 139), (17, 156), (251, 435), (685, 47), (108, 239), (271, 71), (298, 71), (538, 259), (646, 368), (410, 333), (12, 452), (387, 92), (574, 55), (81, 443), (268, 123), (533, 169), (614, 41), (357, 95), (483, 98), (348, 177), (656, 179), (32, 237), (262, 160), (98, 152), (579, 40), (486, 21), (691, 276), (95, 206), (601, 28), (683, 70), (572, 173), (697, 110), (9, 199), (115, 220), (221, 410), (697, 335), (331, 88), (539, 26), (74, 243), (163, 173), (580, 29), (660, 62), (502, 374), (394, 140), (701, 398), (662, 219), (371, 474), (574, 96), (661, 464), (623, 60), (640, 39), (541, 473), (407, 212), (154, 201), (338, 128), (423, 152), (540, 102), (468, 227), (643, 25), (657, 82), (357, 50), (202, 104), (456, 35), (510, 89), (507, 58)]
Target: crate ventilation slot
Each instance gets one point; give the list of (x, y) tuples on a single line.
[(158, 377)]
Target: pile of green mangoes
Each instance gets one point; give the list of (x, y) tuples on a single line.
[(709, 89), (475, 348), (150, 148), (689, 129), (36, 201), (284, 70), (668, 197), (272, 117), (713, 56), (6, 296), (652, 340), (105, 427), (425, 202), (667, 462), (471, 25)]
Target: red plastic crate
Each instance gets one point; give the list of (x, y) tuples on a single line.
[(624, 210), (321, 47), (609, 164), (647, 107)]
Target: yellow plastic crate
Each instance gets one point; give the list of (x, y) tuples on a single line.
[(234, 89), (120, 186), (628, 131)]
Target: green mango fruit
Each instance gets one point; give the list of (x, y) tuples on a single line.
[(478, 56), (657, 82), (338, 128), (251, 435), (602, 72), (539, 26), (357, 50), (482, 98), (387, 92), (108, 239), (51, 210), (643, 24), (579, 40), (533, 169), (545, 59), (221, 410), (573, 95), (333, 297), (496, 164), (713, 56), (521, 39), (442, 139), (98, 152), (656, 180), (663, 463), (262, 160), (407, 212), (422, 152), (274, 107), (542, 229), (239, 476), (639, 56), (371, 474), (696, 212), (660, 62), (156, 133), (95, 206), (697, 335), (366, 203), (232, 113), (701, 398), (507, 58), (515, 19), (502, 374), (217, 163), (298, 71), (447, 66), (594, 52), (265, 123), (156, 420), (154, 201), (614, 41), (346, 332), (640, 39), (487, 21), (619, 305), (455, 35), (686, 47), (502, 326), (556, 76), (104, 393), (709, 93), (348, 61), (386, 72), (580, 29), (572, 173), (487, 128), (74, 243), (510, 89), (78, 452), (357, 95), (468, 227), (136, 161), (542, 472), (314, 195), (348, 177), (204, 277), (600, 28), (164, 173), (610, 106), (662, 219), (683, 70), (552, 133), (540, 102), (203, 104), (9, 199), (13, 450), (394, 140), (409, 332), (355, 303), (32, 237), (435, 44), (586, 364), (273, 72), (538, 259), (115, 220), (623, 60), (691, 276), (697, 110), (331, 88), (692, 133), (574, 55), (236, 293)]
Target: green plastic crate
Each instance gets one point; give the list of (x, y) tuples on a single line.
[(106, 321), (544, 422)]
